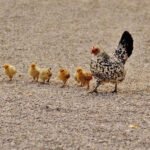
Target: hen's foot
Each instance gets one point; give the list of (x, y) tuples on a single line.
[(115, 91), (93, 91)]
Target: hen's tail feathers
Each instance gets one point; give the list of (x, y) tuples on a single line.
[(127, 42)]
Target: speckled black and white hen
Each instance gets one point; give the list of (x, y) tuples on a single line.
[(111, 69)]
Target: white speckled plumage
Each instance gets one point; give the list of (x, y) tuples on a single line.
[(111, 69)]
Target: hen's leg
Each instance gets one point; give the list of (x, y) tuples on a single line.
[(115, 90), (97, 85)]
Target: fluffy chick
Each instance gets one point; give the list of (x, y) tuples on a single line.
[(88, 78), (34, 71), (63, 75), (9, 70), (45, 74), (77, 76), (83, 77)]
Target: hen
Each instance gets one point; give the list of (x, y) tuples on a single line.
[(111, 69)]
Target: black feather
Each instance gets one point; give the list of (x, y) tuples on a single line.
[(127, 42)]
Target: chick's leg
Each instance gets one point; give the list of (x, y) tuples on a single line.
[(33, 79), (48, 79), (64, 84), (10, 78), (37, 78), (43, 81), (97, 85), (88, 85), (84, 83)]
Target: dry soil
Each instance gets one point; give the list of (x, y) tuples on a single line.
[(60, 33)]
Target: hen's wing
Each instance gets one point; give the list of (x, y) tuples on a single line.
[(106, 69)]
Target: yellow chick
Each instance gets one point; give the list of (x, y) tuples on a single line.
[(45, 74), (88, 78), (83, 77), (10, 70), (63, 75), (76, 76), (34, 71)]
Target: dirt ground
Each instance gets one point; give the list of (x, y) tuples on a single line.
[(60, 33)]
